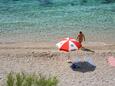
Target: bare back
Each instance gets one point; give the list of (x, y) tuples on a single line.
[(81, 37)]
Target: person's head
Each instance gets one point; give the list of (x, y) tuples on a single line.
[(80, 32)]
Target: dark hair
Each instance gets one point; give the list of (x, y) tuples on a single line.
[(80, 32)]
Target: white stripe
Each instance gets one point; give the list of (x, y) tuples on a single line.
[(72, 46), (59, 45), (67, 38)]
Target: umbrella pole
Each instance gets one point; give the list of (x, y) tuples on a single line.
[(69, 58), (68, 55)]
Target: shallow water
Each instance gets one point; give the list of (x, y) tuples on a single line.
[(34, 21)]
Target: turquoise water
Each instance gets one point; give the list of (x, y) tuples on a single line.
[(44, 20)]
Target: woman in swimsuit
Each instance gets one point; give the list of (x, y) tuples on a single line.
[(81, 37)]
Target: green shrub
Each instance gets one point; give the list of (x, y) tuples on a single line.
[(10, 79), (21, 79)]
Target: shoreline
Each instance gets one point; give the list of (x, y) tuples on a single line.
[(49, 45)]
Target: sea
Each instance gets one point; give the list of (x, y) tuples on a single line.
[(52, 20)]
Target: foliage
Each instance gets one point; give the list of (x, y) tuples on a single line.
[(21, 79)]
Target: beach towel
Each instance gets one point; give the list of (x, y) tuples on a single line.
[(111, 61), (75, 64), (90, 60), (83, 66), (77, 59), (86, 59)]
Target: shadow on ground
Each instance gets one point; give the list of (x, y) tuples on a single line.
[(82, 67), (86, 49)]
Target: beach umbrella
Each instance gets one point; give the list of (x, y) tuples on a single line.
[(68, 44)]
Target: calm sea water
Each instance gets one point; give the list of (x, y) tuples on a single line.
[(51, 20)]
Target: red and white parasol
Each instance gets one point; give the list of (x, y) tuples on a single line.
[(68, 44)]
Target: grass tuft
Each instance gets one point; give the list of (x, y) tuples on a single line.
[(22, 79)]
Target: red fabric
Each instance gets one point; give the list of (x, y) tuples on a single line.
[(77, 44), (78, 35), (111, 61), (70, 38), (65, 46)]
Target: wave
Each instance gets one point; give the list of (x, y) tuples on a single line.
[(36, 20), (62, 2)]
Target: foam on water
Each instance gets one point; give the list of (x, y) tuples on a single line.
[(31, 20)]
